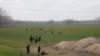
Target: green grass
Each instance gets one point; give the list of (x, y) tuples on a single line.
[(18, 37), (12, 52)]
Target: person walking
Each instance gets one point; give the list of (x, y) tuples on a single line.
[(39, 50), (28, 49), (31, 39)]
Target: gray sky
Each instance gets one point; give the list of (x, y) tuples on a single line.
[(38, 10)]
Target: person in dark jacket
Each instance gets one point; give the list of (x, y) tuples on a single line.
[(28, 49), (43, 53), (31, 39), (36, 40), (39, 50), (39, 38)]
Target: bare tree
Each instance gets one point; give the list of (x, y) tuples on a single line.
[(4, 18)]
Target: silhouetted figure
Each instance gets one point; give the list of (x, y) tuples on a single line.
[(39, 50), (31, 39), (41, 29), (28, 49), (36, 40), (52, 32), (60, 33), (43, 53), (39, 38)]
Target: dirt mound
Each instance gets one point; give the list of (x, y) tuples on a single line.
[(89, 44), (77, 45), (65, 45), (95, 48), (83, 43)]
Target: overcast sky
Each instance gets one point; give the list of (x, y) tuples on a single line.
[(44, 10)]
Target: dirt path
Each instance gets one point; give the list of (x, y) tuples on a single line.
[(54, 52)]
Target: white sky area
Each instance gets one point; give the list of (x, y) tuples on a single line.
[(43, 10)]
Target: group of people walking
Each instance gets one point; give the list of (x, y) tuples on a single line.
[(36, 38), (40, 52)]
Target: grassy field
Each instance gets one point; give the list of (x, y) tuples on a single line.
[(17, 36), (12, 52)]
